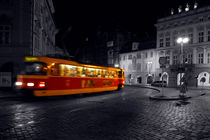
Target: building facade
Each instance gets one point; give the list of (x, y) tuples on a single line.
[(139, 65), (26, 28), (191, 59)]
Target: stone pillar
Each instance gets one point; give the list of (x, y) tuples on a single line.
[(171, 57), (194, 56), (204, 55)]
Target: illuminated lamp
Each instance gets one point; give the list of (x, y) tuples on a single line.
[(30, 84), (41, 84), (18, 83)]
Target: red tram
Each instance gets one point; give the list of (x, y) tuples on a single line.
[(44, 76)]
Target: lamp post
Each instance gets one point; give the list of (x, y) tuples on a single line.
[(149, 71), (148, 63), (182, 41)]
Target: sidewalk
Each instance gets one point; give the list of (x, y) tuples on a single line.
[(174, 93)]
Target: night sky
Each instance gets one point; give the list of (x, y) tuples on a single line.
[(135, 16)]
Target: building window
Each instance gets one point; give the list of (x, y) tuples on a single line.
[(208, 35), (139, 67), (130, 56), (151, 54), (124, 57), (5, 34), (175, 60), (145, 54), (161, 42), (200, 36), (139, 55), (110, 53), (208, 58), (167, 59), (134, 61), (201, 19), (167, 41), (189, 58), (200, 58), (191, 38), (145, 67)]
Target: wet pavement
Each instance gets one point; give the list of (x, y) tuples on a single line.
[(121, 115)]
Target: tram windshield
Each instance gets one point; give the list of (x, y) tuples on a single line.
[(35, 68)]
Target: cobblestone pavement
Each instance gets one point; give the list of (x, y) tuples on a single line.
[(121, 115)]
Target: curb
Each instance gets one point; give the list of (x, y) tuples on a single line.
[(169, 98), (160, 97)]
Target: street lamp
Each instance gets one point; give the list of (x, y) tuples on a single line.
[(182, 41), (116, 65)]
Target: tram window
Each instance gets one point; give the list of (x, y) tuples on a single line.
[(71, 71), (91, 72), (111, 74), (106, 74), (83, 72), (120, 74), (54, 70), (79, 71), (115, 74), (67, 70), (99, 73), (62, 70), (103, 73)]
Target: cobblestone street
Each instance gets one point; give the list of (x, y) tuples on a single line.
[(121, 115)]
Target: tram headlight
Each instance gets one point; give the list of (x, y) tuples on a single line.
[(18, 83), (30, 84)]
